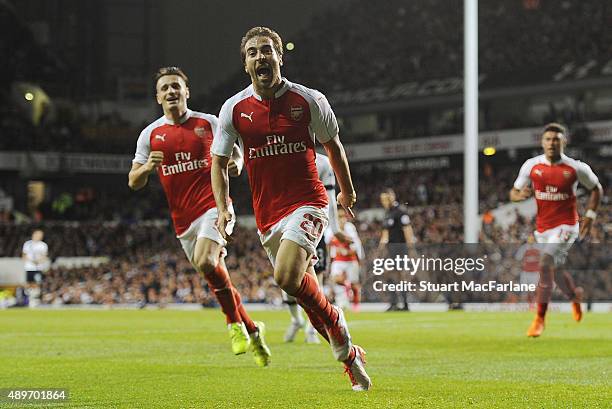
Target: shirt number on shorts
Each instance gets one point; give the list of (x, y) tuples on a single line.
[(313, 226)]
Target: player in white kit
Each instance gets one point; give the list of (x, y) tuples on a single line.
[(35, 262)]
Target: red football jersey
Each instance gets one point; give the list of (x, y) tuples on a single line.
[(340, 251), (554, 186), (278, 138), (185, 170)]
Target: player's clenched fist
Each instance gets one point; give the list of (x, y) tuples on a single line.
[(155, 159), (347, 201)]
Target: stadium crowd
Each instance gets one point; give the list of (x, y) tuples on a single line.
[(405, 42), (146, 263)]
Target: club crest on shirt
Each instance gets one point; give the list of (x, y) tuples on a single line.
[(297, 112), (199, 131), (566, 174)]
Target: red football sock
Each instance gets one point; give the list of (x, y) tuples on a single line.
[(219, 282), (542, 307), (316, 322), (356, 294), (545, 285), (248, 322), (570, 285), (312, 298)]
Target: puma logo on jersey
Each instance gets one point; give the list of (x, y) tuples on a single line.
[(250, 116), (538, 172), (161, 137)]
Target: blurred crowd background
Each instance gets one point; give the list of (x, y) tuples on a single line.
[(391, 70)]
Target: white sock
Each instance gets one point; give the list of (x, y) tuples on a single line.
[(296, 313)]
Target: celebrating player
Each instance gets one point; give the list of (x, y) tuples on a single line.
[(177, 146), (346, 256), (554, 177), (277, 122)]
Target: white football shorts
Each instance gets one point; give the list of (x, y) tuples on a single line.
[(557, 241), (305, 226), (349, 268), (205, 226)]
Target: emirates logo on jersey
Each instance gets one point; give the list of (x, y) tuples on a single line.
[(275, 145), (183, 164), (297, 112), (200, 131), (551, 194)]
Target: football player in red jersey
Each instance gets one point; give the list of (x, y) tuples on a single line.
[(554, 177), (346, 256), (177, 146), (277, 123)]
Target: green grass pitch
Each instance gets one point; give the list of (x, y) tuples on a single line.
[(182, 359)]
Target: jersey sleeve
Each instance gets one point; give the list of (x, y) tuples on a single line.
[(143, 147), (351, 231), (214, 125), (323, 121), (226, 134), (332, 211), (586, 176), (523, 177), (326, 173)]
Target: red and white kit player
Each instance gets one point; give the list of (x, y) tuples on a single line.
[(554, 177), (177, 146), (345, 265), (277, 122)]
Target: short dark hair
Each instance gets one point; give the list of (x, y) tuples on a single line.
[(263, 32), (170, 71), (555, 127)]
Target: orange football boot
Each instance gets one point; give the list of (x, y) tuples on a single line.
[(536, 328), (576, 307)]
